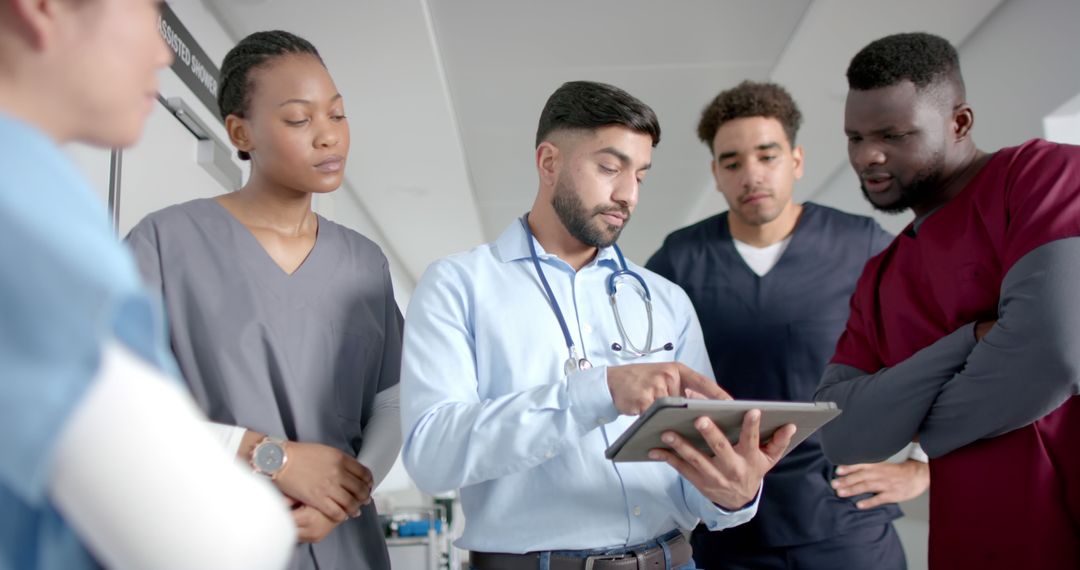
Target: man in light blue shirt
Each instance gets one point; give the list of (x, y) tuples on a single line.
[(516, 375)]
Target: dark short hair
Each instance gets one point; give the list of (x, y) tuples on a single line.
[(750, 99), (921, 58), (587, 105), (254, 51)]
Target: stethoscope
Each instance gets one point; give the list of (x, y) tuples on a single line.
[(627, 349)]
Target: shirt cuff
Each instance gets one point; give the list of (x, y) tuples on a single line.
[(590, 398), (916, 453), (751, 505), (716, 517), (230, 438)]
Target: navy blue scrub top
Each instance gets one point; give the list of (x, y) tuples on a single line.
[(769, 338)]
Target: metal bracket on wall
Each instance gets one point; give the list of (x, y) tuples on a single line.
[(213, 155)]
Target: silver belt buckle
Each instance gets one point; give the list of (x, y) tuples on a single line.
[(592, 560)]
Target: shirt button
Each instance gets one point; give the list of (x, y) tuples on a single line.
[(549, 454), (586, 328), (637, 511)]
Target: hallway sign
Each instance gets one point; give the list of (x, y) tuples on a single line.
[(190, 62)]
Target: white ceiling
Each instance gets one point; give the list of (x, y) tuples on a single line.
[(503, 60), (443, 95)]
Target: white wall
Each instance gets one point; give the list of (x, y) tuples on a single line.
[(1020, 66), (1063, 125)]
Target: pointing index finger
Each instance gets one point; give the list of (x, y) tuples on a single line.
[(701, 384)]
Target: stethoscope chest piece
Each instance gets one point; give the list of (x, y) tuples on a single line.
[(575, 364)]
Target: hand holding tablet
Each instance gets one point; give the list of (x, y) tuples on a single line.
[(716, 445), (679, 414)]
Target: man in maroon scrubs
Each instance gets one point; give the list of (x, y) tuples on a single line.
[(965, 332)]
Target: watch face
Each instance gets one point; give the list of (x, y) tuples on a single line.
[(269, 457)]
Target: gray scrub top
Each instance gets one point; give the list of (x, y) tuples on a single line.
[(299, 356)]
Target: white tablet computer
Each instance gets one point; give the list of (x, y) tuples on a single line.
[(678, 415)]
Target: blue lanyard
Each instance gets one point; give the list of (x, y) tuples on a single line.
[(547, 287)]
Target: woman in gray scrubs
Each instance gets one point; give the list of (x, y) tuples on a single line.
[(284, 323)]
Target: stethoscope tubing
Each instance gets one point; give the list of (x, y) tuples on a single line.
[(630, 350)]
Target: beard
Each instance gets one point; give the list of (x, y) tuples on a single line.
[(926, 183), (579, 220)]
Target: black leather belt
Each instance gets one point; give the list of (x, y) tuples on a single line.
[(646, 559)]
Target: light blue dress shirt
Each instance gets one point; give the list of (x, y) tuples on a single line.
[(66, 286), (487, 409)]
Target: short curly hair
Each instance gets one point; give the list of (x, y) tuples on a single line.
[(750, 99), (921, 58)]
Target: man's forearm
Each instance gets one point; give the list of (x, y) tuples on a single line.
[(1026, 366), (882, 411)]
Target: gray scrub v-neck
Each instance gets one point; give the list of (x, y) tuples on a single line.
[(300, 356)]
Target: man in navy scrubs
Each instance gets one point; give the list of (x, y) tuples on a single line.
[(771, 281)]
